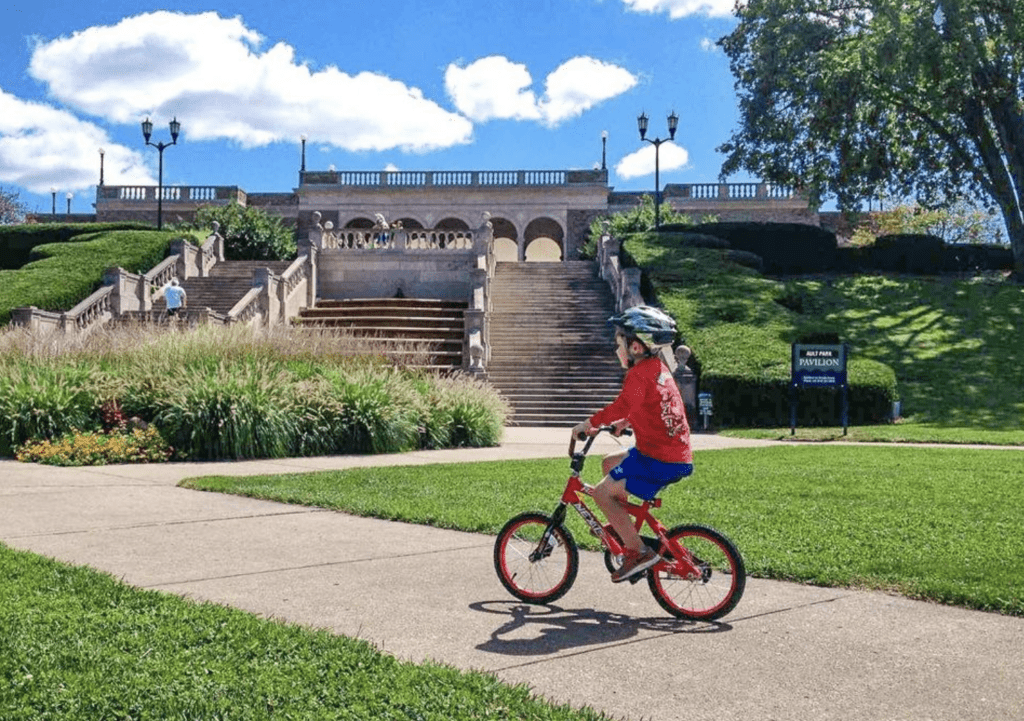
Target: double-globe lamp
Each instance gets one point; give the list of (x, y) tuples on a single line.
[(147, 131), (641, 124)]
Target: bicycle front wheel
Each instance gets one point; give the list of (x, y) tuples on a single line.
[(718, 588), (531, 567)]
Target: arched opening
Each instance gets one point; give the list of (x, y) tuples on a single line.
[(451, 224), (360, 223), (544, 241), (506, 247), (543, 250), (506, 250), (410, 223)]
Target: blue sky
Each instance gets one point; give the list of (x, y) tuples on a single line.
[(390, 84)]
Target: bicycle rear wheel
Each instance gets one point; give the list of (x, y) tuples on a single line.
[(532, 571), (720, 585)]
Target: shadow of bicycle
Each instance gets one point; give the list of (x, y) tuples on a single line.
[(539, 630)]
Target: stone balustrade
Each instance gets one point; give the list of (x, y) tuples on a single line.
[(624, 282)]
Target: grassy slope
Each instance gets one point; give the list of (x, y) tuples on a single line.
[(957, 346)]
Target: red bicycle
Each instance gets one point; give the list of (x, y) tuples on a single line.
[(700, 575)]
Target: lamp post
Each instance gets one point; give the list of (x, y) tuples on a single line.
[(102, 153), (69, 196), (302, 169), (673, 123), (147, 131), (53, 197), (604, 147)]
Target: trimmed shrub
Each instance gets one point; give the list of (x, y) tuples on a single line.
[(923, 254), (65, 274), (17, 241), (785, 247)]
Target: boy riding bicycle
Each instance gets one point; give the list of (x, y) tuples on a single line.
[(651, 404)]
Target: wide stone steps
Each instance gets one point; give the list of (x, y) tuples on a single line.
[(425, 334), (552, 352), (227, 284)]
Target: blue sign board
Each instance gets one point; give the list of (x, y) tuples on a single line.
[(819, 365)]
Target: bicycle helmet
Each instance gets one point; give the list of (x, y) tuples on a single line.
[(655, 329)]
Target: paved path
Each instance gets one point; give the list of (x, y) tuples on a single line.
[(787, 652)]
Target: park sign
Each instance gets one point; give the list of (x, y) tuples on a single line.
[(818, 366)]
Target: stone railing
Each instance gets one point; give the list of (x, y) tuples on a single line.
[(453, 178), (730, 191), (624, 282), (393, 237), (477, 346), (170, 193)]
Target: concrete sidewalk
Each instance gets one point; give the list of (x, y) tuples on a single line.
[(787, 652)]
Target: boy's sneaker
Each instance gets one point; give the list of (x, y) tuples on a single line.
[(635, 563)]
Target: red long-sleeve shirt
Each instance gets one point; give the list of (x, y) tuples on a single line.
[(651, 402)]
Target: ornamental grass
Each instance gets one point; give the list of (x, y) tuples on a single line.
[(236, 392)]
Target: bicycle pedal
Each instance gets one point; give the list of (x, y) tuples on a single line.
[(635, 578)]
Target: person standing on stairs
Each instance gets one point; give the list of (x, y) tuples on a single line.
[(650, 403), (176, 298)]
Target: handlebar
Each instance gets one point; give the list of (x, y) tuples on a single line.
[(590, 439)]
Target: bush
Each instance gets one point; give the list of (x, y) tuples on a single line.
[(785, 247), (18, 241), (91, 448), (923, 254), (40, 400), (249, 233)]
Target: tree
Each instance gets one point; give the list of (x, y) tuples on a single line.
[(12, 210), (638, 219), (855, 99), (249, 233)]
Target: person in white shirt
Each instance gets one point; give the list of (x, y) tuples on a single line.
[(175, 296)]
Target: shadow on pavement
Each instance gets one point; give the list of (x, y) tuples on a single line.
[(540, 630)]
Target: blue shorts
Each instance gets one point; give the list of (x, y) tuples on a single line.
[(645, 477)]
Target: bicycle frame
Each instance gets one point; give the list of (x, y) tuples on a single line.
[(675, 558)]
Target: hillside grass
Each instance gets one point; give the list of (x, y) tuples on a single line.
[(938, 524), (956, 345)]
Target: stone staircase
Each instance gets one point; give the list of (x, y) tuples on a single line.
[(421, 333), (552, 351), (227, 283)]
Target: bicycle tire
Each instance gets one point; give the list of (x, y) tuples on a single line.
[(545, 578), (719, 588)]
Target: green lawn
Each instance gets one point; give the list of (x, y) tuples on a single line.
[(78, 645), (938, 524)]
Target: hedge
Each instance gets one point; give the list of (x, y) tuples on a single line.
[(67, 273), (18, 241), (785, 247)]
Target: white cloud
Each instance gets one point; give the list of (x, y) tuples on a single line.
[(708, 45), (497, 88), (43, 147), (641, 163), (683, 8), (209, 72), (492, 88), (579, 84)]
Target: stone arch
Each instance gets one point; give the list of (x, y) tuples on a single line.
[(544, 240), (410, 223), (506, 240), (451, 224), (360, 223)]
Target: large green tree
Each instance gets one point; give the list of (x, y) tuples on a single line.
[(853, 99)]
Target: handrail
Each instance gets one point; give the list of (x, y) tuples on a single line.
[(246, 309)]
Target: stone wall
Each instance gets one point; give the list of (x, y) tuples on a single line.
[(374, 274)]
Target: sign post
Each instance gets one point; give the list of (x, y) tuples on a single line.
[(705, 406), (818, 366)]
